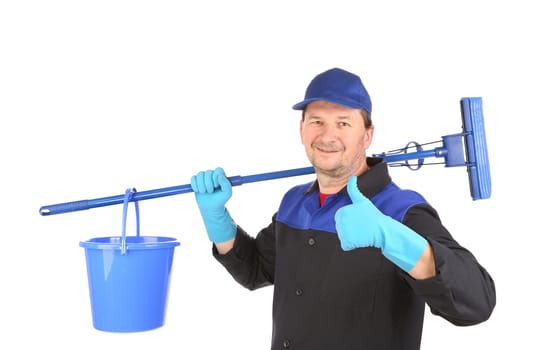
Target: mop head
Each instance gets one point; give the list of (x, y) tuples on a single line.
[(477, 162)]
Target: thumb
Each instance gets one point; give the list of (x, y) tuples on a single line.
[(221, 180), (353, 190)]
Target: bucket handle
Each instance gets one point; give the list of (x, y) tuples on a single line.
[(127, 197)]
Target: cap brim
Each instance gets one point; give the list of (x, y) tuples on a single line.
[(301, 105)]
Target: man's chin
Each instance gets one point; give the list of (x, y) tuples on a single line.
[(329, 169)]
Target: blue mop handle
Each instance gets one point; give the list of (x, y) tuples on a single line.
[(164, 192)]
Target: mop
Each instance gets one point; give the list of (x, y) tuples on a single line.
[(467, 148)]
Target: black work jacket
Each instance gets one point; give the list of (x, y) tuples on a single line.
[(327, 298)]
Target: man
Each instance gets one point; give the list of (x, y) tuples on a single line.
[(352, 257)]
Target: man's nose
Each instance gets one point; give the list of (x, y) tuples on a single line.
[(329, 131)]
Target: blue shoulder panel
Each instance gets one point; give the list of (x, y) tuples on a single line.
[(300, 209), (395, 202)]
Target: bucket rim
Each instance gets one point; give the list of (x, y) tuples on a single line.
[(114, 242)]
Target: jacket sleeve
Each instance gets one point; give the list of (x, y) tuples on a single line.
[(251, 260), (462, 291)]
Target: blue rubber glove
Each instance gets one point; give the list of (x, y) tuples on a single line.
[(361, 224), (212, 191)]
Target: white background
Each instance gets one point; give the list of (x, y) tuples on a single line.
[(99, 96)]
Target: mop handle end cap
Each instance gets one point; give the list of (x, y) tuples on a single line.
[(63, 207)]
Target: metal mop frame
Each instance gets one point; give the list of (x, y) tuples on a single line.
[(467, 148), (472, 139)]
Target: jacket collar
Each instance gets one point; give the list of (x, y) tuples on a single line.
[(371, 182)]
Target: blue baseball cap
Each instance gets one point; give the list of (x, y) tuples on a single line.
[(337, 86)]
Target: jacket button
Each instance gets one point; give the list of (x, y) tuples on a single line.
[(299, 292), (311, 241), (286, 344)]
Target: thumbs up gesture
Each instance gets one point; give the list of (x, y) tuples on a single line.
[(361, 224)]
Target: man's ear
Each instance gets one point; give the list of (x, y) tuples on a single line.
[(369, 136)]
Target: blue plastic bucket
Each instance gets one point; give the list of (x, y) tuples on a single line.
[(129, 279)]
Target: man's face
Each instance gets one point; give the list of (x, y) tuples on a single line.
[(335, 138)]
